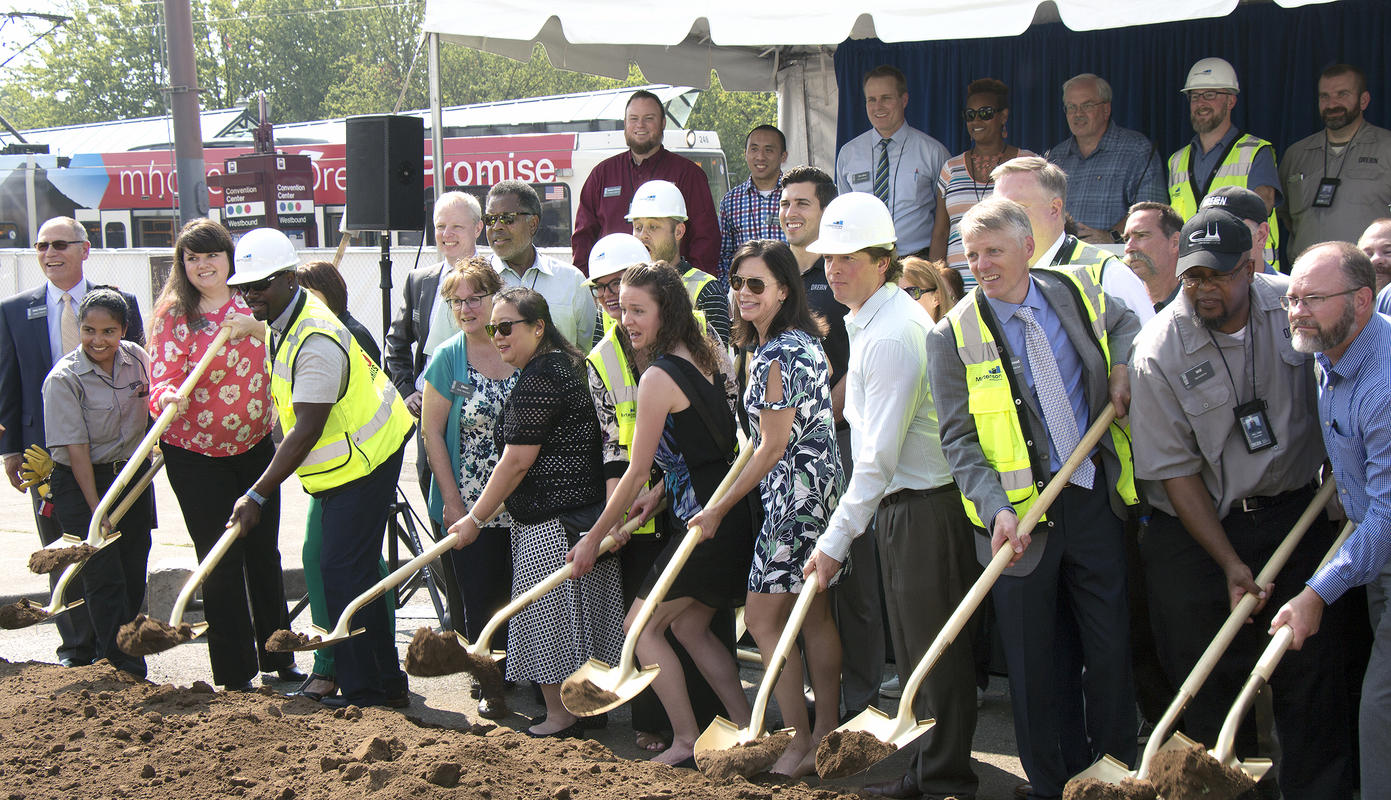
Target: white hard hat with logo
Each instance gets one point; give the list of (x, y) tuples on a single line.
[(1211, 73), (854, 222), (657, 200), (615, 253), (261, 253)]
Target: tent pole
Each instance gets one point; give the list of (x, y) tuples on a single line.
[(436, 116)]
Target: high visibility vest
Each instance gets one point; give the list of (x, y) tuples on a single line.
[(1233, 170), (695, 280), (366, 426), (996, 405), (621, 384), (1080, 254)]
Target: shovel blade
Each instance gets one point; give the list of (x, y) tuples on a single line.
[(897, 732), (1255, 767), (198, 629), (596, 687), (480, 652), (1178, 742), (1107, 770), (722, 734)]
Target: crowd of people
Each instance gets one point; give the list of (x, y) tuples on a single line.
[(910, 345)]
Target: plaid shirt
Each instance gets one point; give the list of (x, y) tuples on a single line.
[(1123, 170), (746, 215)]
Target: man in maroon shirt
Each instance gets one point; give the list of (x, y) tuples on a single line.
[(608, 191)]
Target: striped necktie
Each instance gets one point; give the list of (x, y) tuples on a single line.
[(1052, 396), (881, 172)]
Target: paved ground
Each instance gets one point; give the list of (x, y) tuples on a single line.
[(442, 701)]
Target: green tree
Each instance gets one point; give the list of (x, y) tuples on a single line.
[(732, 115)]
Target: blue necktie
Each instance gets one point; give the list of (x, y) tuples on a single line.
[(881, 172), (1052, 396)]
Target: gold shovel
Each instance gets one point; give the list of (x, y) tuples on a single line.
[(900, 730), (596, 687), (1112, 770)]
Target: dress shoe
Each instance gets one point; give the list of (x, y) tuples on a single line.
[(286, 675), (900, 788), (474, 690), (304, 689), (241, 687), (492, 707), (890, 688), (74, 662), (572, 732), (1023, 790)]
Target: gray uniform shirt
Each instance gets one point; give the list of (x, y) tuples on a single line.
[(1363, 169), (1182, 402), (83, 405), (320, 368)]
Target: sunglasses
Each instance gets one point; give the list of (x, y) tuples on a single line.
[(985, 113), (916, 292), (505, 327), (600, 289), (506, 217), (56, 244), (261, 285), (738, 282)]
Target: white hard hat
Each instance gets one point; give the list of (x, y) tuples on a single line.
[(657, 199), (260, 254), (615, 253), (854, 222), (1211, 73)]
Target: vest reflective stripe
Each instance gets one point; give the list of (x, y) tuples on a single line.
[(365, 427), (1234, 170), (612, 365), (695, 280)]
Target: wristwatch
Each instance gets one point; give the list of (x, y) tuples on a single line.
[(256, 497)]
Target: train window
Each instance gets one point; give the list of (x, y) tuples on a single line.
[(715, 172), (115, 235), (155, 232), (9, 235), (556, 218), (93, 232)]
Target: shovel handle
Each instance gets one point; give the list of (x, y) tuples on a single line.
[(161, 424), (673, 568), (773, 668), (978, 591), (224, 543), (1265, 666), (1231, 627)]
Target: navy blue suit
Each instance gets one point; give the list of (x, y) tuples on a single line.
[(25, 360)]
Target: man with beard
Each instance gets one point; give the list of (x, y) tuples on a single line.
[(1151, 249), (1330, 312), (608, 191), (1375, 242), (1227, 449), (658, 214), (1219, 154), (1339, 179)]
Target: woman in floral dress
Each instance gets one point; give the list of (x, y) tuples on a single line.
[(797, 469)]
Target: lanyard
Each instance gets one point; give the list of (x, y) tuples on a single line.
[(1343, 159), (1249, 338)]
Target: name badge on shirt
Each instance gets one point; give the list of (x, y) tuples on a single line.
[(1197, 375), (859, 177), (461, 389), (36, 312), (613, 191)]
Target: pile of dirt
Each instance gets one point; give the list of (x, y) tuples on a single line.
[(42, 562), (1093, 789), (745, 760), (21, 615), (1190, 773), (144, 636), (96, 732), (433, 654), (583, 697), (844, 753), (286, 641)]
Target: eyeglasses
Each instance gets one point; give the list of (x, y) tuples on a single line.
[(1086, 108), (506, 217), (1311, 302), (985, 113), (738, 282), (916, 292), (474, 302), (1216, 279), (505, 327), (56, 244), (1207, 96), (600, 289), (261, 285)]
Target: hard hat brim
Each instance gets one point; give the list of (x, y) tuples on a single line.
[(252, 276), (828, 247)]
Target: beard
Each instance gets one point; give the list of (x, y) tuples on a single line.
[(1318, 340), (1208, 124), (1215, 323), (1338, 118), (641, 148)]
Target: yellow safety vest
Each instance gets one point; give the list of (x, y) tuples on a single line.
[(695, 280), (620, 382), (1080, 254), (998, 411), (1233, 170), (366, 426)]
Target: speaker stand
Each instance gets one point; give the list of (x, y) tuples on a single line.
[(384, 263)]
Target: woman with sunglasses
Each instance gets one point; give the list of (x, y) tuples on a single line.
[(926, 282), (797, 470), (965, 179), (550, 467), (466, 384), (216, 449)]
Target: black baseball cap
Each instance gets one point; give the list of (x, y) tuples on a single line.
[(1240, 201), (1215, 239)]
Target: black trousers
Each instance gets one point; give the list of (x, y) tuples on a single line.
[(484, 574), (77, 642), (244, 596), (1063, 624), (1188, 603), (113, 580)]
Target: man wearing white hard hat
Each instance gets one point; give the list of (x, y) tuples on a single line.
[(346, 429), (1220, 154), (902, 481), (658, 215), (1020, 369)]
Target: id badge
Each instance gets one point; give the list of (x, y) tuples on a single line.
[(1255, 426), (1328, 187), (461, 389)]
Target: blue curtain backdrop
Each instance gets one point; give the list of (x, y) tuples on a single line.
[(1277, 54)]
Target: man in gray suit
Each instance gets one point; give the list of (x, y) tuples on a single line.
[(1040, 353)]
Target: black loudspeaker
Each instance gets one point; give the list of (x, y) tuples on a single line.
[(386, 173)]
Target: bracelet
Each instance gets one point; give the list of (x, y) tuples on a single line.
[(475, 520), (256, 497)]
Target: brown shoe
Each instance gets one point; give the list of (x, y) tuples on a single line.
[(904, 788)]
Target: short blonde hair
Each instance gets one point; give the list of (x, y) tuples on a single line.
[(996, 214)]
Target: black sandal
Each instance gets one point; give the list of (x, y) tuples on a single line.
[(303, 690)]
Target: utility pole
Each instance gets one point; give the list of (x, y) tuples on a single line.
[(188, 129)]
